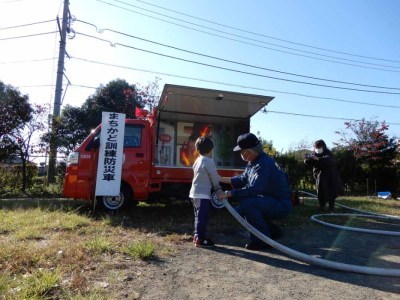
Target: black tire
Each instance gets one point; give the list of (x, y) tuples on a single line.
[(116, 203)]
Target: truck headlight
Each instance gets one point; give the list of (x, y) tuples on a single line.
[(73, 158)]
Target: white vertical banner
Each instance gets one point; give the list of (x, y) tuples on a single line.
[(109, 167)]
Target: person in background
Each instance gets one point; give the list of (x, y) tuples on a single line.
[(205, 179), (326, 175), (262, 190)]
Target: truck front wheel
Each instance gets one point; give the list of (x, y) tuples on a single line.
[(116, 202)]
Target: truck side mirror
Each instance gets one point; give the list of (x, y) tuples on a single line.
[(96, 142)]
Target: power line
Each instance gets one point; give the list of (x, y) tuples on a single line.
[(24, 25), (37, 86), (263, 35), (27, 61), (237, 71), (227, 33), (28, 35), (321, 117), (234, 62), (9, 1), (235, 35), (233, 85), (266, 111), (241, 86), (84, 86)]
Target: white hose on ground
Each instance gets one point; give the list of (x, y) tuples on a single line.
[(384, 232), (351, 208), (387, 217), (308, 258), (365, 214)]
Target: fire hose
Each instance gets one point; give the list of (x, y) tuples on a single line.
[(362, 214), (299, 255)]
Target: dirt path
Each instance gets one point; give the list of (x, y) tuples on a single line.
[(228, 271)]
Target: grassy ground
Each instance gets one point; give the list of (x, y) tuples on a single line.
[(59, 249)]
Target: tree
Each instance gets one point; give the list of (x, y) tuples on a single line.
[(352, 175), (15, 111), (75, 123), (149, 93), (117, 96), (368, 140), (268, 146), (373, 150), (69, 131), (23, 137)]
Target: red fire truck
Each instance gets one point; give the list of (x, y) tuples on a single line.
[(159, 147)]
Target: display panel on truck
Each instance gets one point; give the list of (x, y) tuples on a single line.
[(185, 113)]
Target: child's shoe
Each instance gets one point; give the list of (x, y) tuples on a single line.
[(205, 243)]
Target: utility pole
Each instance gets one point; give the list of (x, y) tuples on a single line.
[(57, 98)]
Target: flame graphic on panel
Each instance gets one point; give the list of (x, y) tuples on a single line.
[(188, 153), (185, 159), (204, 131)]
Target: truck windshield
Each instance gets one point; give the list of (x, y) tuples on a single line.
[(132, 138)]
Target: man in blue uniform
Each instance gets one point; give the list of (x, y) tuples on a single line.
[(263, 190)]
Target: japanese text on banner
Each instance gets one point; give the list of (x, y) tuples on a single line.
[(109, 167)]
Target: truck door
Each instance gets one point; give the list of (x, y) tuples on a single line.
[(136, 165), (87, 168)]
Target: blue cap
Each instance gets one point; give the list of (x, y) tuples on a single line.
[(246, 141)]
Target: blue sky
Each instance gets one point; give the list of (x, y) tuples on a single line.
[(354, 42)]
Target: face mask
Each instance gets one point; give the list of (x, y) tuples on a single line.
[(319, 150), (245, 155)]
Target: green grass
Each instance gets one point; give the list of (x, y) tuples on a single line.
[(39, 285), (36, 223), (99, 246), (142, 250)]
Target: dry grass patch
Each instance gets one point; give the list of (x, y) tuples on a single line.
[(176, 238), (56, 254)]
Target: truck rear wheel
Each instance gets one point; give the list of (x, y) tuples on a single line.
[(116, 202)]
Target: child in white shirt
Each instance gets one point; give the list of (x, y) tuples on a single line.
[(205, 178)]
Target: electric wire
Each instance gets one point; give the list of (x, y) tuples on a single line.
[(263, 35), (224, 37), (235, 70), (242, 36), (233, 85), (323, 117), (28, 35), (231, 61), (37, 85), (24, 25), (84, 86), (9, 1), (27, 61)]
